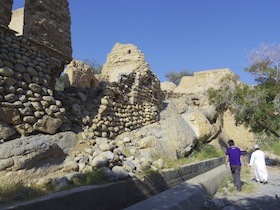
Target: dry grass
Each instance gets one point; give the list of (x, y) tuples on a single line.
[(227, 186)]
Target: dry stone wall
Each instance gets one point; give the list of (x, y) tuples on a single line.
[(128, 98), (48, 22), (27, 72), (5, 12), (111, 108)]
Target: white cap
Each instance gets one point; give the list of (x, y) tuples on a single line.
[(256, 146)]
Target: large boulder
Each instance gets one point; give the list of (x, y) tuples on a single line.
[(34, 151), (79, 74), (171, 137), (200, 125), (48, 124)]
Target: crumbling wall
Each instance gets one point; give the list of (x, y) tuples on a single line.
[(48, 22), (26, 85), (128, 98), (5, 12), (111, 108), (201, 81)]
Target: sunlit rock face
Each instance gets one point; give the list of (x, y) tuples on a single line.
[(201, 81)]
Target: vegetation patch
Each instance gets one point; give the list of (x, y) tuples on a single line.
[(90, 178), (17, 191), (228, 187), (200, 153)]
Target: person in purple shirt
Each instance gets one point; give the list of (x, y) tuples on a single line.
[(234, 157)]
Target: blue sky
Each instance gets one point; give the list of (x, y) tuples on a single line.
[(175, 34)]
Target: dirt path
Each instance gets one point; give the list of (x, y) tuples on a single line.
[(263, 198)]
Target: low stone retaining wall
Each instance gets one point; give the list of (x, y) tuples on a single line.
[(118, 195)]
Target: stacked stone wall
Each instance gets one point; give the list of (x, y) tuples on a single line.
[(26, 85), (5, 12), (112, 108), (48, 22)]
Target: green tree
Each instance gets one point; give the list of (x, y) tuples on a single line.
[(176, 77), (257, 107)]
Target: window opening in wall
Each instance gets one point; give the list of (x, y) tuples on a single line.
[(17, 20)]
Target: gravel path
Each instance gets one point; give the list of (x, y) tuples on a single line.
[(264, 198)]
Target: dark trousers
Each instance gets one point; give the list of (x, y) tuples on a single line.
[(235, 171)]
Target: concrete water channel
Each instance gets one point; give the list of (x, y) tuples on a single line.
[(186, 187)]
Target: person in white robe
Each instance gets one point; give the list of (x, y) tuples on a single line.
[(257, 161)]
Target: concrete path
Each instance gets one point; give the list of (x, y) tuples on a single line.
[(190, 194), (264, 198)]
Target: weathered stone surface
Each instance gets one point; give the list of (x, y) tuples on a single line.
[(48, 22), (201, 81), (48, 124), (124, 59), (6, 12), (10, 115), (200, 125), (170, 137), (241, 135), (167, 86), (120, 172), (5, 131), (28, 152), (79, 74)]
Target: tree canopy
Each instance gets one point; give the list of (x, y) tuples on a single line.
[(94, 66), (257, 106), (176, 77)]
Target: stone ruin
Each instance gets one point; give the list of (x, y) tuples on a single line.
[(79, 74), (126, 99), (120, 119), (46, 22), (28, 68), (201, 81), (194, 89), (5, 12)]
